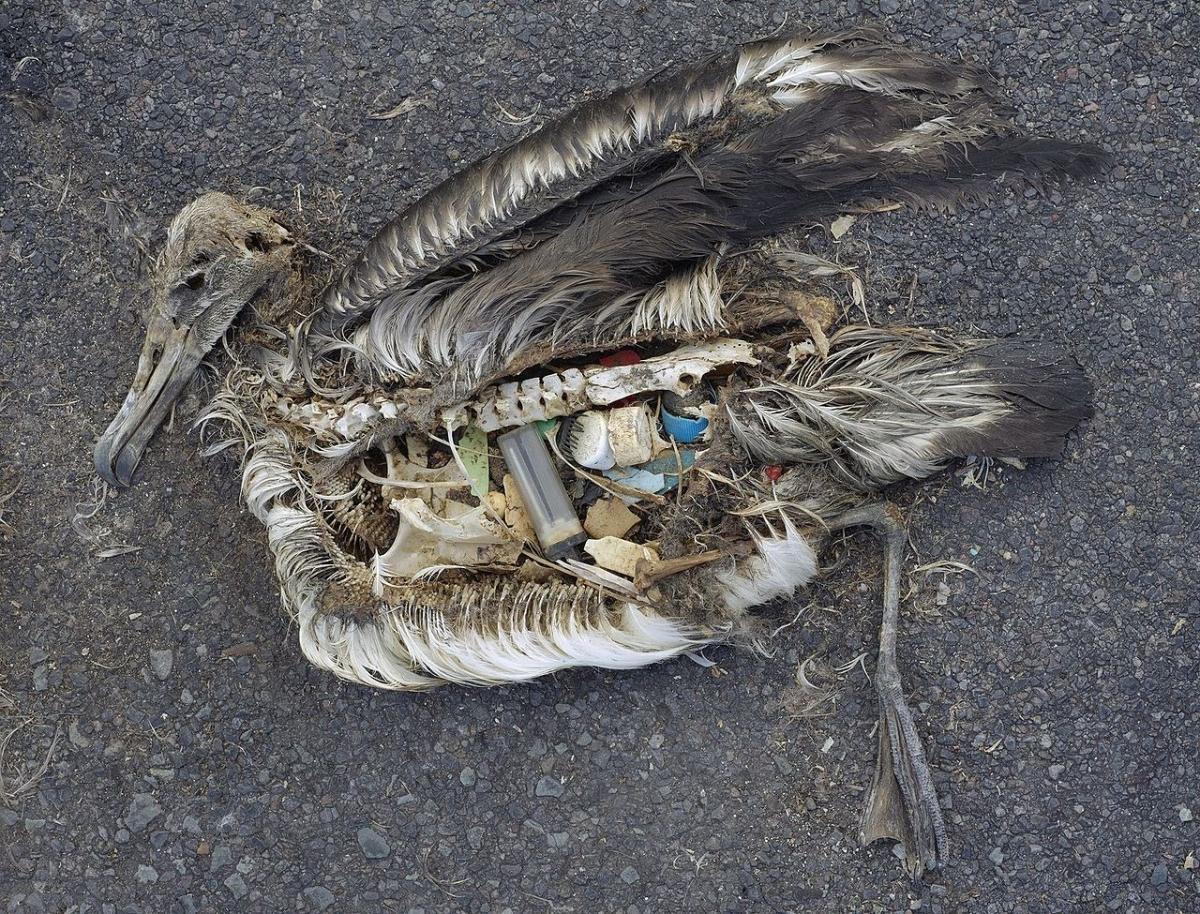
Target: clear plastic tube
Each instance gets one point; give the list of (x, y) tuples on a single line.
[(550, 511)]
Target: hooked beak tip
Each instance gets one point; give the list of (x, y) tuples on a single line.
[(116, 472), (163, 372)]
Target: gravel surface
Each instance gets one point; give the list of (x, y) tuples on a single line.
[(200, 765)]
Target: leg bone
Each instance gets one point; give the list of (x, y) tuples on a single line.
[(902, 803)]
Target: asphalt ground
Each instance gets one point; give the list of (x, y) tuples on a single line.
[(194, 762)]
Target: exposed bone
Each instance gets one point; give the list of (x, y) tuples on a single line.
[(679, 371), (357, 419), (418, 450), (425, 540), (517, 403), (599, 577), (534, 399), (406, 479), (418, 456)]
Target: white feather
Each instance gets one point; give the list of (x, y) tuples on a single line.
[(781, 565)]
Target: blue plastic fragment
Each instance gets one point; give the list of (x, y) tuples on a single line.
[(636, 478), (683, 429), (657, 476), (669, 465)]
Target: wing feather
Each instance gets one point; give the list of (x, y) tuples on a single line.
[(635, 129)]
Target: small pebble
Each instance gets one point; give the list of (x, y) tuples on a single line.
[(549, 787), (143, 810), (318, 897), (161, 662), (373, 844), (65, 98), (236, 885)]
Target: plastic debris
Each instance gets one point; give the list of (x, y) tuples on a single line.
[(587, 441), (547, 504), (496, 503), (609, 517), (618, 555), (620, 357), (684, 429), (629, 435), (514, 512), (669, 465), (656, 476), (638, 479), (473, 452)]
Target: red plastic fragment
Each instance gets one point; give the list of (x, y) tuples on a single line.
[(620, 357)]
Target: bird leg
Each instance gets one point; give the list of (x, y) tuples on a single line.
[(902, 803)]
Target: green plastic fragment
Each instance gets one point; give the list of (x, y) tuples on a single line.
[(473, 452)]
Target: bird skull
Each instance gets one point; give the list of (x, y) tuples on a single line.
[(219, 255)]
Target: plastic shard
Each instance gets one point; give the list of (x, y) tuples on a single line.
[(658, 475), (609, 517), (473, 452), (620, 556), (684, 429), (515, 515), (629, 435), (588, 441)]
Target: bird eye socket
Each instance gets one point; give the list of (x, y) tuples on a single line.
[(195, 281)]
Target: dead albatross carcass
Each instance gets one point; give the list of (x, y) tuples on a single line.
[(581, 405)]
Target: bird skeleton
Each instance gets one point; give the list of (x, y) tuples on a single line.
[(610, 323)]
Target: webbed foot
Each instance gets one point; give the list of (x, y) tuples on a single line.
[(902, 803)]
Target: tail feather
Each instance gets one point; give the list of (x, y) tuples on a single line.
[(860, 57), (1046, 395), (893, 404)]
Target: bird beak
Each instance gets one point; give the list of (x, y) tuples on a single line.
[(170, 356)]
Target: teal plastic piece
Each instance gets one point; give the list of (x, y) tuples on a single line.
[(683, 429), (658, 476)]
